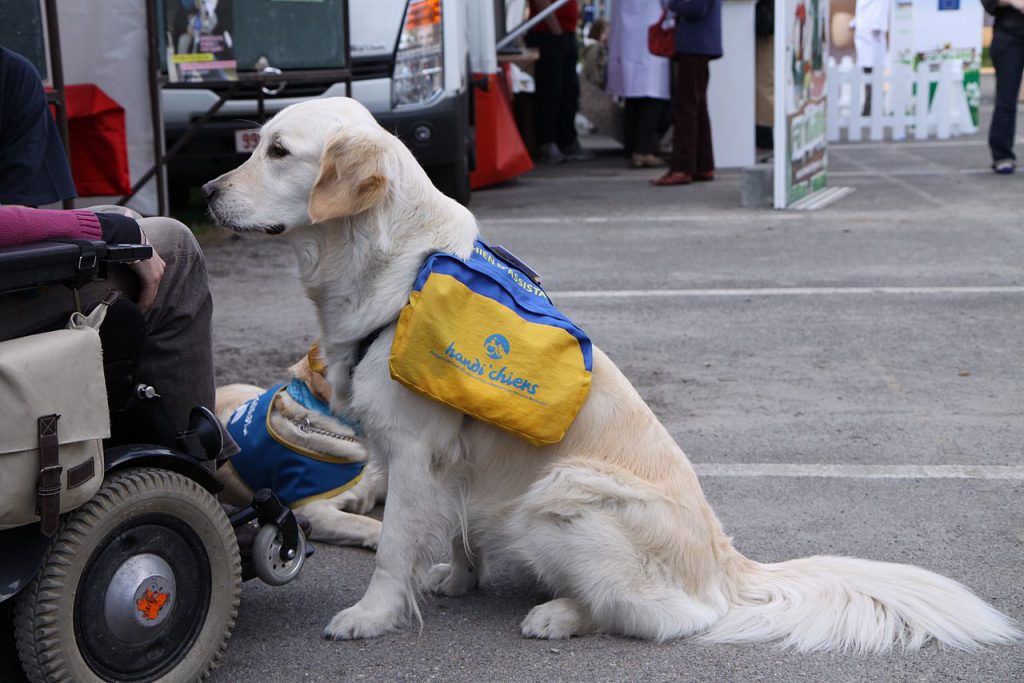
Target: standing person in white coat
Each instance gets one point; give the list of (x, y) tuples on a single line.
[(870, 25), (640, 78)]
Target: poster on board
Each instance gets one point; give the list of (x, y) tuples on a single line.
[(199, 44), (801, 57)]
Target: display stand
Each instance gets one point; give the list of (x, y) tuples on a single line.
[(226, 90), (801, 70)]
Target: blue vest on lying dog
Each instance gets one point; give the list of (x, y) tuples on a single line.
[(267, 460)]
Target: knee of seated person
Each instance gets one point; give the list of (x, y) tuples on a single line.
[(171, 238)]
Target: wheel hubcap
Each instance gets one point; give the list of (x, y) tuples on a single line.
[(140, 597), (131, 621)]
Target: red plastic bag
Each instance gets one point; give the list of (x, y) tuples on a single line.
[(661, 37), (500, 152)]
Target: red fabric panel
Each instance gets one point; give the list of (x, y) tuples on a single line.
[(500, 152), (99, 142)]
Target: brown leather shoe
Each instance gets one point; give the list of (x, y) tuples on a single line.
[(704, 175), (673, 178)]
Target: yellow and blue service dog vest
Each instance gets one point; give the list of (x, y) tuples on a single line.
[(267, 460), (482, 336)]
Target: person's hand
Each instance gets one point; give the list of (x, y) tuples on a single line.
[(1017, 5), (149, 272)]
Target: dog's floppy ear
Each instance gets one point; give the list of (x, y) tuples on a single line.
[(352, 177)]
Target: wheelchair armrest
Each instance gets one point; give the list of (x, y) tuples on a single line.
[(68, 262)]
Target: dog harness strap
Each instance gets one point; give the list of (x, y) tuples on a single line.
[(48, 485)]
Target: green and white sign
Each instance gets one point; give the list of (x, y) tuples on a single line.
[(801, 58)]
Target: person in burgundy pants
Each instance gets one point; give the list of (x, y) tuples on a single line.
[(698, 39)]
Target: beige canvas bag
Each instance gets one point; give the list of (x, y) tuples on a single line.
[(53, 419)]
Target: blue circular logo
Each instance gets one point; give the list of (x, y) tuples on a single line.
[(496, 346)]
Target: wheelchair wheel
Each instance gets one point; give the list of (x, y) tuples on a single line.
[(266, 556), (140, 584)]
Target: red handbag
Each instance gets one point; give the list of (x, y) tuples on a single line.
[(661, 37)]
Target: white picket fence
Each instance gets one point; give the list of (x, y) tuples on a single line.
[(899, 101)]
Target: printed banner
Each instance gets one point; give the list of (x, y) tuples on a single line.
[(801, 159)]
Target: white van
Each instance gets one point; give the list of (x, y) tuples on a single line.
[(410, 61)]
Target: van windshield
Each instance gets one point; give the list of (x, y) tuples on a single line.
[(205, 40)]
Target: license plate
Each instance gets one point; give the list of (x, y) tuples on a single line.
[(246, 140)]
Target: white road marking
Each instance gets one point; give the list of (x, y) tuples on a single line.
[(1003, 472), (637, 219), (640, 178), (782, 291), (894, 180), (911, 143), (897, 144), (909, 172), (864, 171)]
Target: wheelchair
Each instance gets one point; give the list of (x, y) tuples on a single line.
[(142, 581)]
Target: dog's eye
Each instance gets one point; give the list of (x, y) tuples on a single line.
[(277, 150)]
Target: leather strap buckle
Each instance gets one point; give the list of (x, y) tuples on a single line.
[(48, 485)]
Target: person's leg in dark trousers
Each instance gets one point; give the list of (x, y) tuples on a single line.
[(1008, 58), (647, 125), (547, 75), (705, 153), (664, 119), (630, 124), (569, 102), (685, 115)]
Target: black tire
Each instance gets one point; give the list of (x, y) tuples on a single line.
[(137, 513)]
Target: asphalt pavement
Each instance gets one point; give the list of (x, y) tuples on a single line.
[(847, 381)]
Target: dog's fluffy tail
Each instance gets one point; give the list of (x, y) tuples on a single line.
[(846, 604)]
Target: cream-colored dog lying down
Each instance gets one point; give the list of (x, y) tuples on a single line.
[(315, 463), (612, 519)]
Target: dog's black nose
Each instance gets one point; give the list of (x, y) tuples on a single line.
[(210, 189)]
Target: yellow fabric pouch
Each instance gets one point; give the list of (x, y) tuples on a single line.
[(482, 336)]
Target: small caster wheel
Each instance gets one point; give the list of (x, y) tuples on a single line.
[(266, 556)]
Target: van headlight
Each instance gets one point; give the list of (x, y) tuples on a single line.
[(419, 60)]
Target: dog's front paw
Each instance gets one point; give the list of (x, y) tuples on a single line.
[(356, 502), (358, 622), (451, 580), (371, 540), (556, 620)]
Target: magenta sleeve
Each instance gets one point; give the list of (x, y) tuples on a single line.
[(19, 225)]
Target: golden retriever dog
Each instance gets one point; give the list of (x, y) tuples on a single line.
[(337, 519), (612, 519)]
